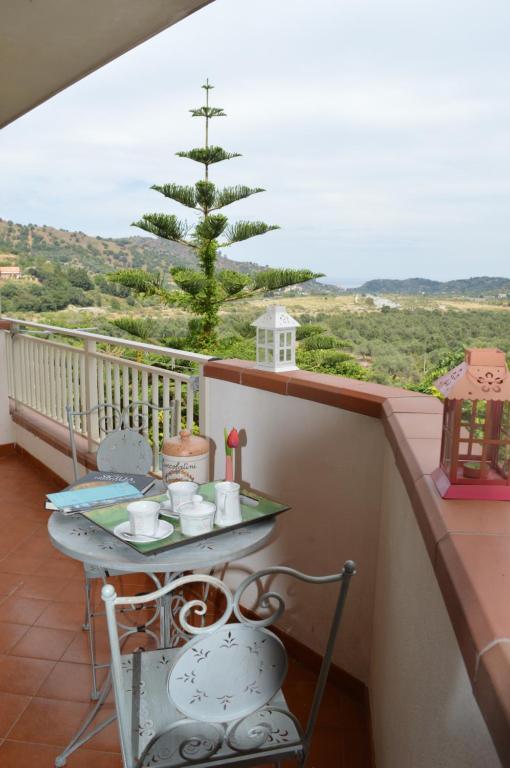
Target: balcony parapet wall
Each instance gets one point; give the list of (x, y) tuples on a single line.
[(468, 542)]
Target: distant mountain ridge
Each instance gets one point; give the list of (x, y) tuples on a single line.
[(31, 243), (472, 286), (100, 254)]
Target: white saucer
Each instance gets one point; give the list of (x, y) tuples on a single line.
[(164, 529)]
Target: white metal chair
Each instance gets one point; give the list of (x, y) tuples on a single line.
[(123, 434), (217, 700), (123, 448)]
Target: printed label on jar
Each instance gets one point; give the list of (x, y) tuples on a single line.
[(193, 468)]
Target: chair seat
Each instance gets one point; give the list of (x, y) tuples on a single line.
[(162, 736)]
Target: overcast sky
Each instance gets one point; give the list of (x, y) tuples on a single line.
[(380, 129)]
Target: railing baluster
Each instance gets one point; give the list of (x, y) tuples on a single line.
[(155, 422), (46, 379), (125, 393), (83, 396), (135, 397), (165, 404), (53, 382), (178, 410), (145, 398), (116, 386), (69, 356), (37, 378), (100, 384), (24, 369), (76, 391), (63, 390), (28, 373), (58, 385), (190, 405), (108, 395)]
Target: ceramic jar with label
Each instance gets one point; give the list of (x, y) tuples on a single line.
[(186, 457)]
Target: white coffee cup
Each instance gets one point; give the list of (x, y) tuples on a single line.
[(181, 492), (143, 517), (228, 505)]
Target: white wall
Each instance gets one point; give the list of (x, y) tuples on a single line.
[(6, 427), (52, 458), (327, 464), (424, 714)]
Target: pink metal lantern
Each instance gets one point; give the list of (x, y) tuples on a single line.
[(475, 446)]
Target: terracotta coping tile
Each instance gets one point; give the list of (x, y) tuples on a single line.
[(469, 517), (474, 575), (337, 391), (423, 404), (267, 380), (492, 693), (227, 370), (415, 425)]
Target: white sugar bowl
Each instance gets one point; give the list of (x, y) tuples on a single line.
[(196, 516)]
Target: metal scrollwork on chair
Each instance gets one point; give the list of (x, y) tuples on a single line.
[(217, 700)]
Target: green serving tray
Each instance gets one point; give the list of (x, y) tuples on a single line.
[(109, 517)]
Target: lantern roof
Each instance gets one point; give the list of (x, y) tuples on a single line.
[(482, 376), (275, 318)]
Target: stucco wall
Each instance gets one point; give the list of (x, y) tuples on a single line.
[(51, 457), (424, 714), (326, 463)]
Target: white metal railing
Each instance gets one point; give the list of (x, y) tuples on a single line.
[(47, 375)]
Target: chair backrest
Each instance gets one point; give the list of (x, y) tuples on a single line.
[(123, 434), (230, 671)]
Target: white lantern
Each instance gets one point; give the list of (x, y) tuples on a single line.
[(276, 340)]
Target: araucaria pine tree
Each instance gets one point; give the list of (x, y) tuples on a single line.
[(205, 290)]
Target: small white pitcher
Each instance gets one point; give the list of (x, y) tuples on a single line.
[(228, 505)]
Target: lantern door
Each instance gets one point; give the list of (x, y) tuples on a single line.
[(285, 347), (265, 346), (481, 457)]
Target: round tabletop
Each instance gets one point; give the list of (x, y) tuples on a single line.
[(83, 540)]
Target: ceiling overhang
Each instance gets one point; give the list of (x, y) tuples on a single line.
[(47, 45)]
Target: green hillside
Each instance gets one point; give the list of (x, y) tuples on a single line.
[(98, 255), (473, 286)]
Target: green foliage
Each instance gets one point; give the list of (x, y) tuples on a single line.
[(184, 195), (320, 341), (446, 363), (273, 279), (208, 155), (330, 361), (163, 225), (310, 329), (229, 195), (189, 280), (211, 227), (204, 291), (138, 280), (140, 328), (243, 230), (472, 286), (233, 282), (79, 278)]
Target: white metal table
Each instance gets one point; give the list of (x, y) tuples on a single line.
[(101, 552)]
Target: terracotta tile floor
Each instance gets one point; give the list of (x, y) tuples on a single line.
[(44, 676)]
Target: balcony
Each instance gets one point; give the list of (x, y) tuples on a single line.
[(423, 649)]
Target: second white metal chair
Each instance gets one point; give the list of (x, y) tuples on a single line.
[(218, 700)]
